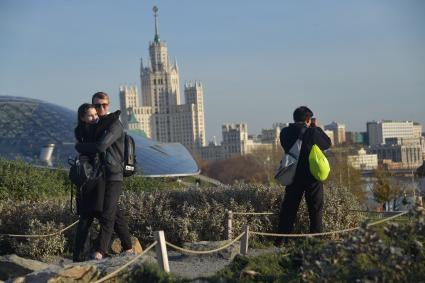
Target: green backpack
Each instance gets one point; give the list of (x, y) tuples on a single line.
[(319, 165)]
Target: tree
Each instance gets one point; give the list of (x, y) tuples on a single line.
[(382, 190), (238, 168), (344, 175)]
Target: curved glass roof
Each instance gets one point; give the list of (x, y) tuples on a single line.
[(158, 159), (26, 125)]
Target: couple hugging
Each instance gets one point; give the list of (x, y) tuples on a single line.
[(100, 138)]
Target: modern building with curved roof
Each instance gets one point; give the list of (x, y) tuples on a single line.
[(29, 127)]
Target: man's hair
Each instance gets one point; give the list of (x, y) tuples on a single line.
[(100, 95), (302, 114)]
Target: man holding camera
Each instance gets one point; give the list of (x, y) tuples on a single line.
[(304, 183)]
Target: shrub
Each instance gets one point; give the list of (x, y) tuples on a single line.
[(149, 272), (19, 217), (397, 255), (143, 184), (21, 181), (185, 215), (40, 248)]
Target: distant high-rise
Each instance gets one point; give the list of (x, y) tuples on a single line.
[(235, 137), (338, 130), (163, 117), (380, 131)]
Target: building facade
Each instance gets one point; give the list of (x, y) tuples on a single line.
[(363, 161), (379, 131), (339, 132), (237, 142), (406, 153), (331, 136), (356, 137), (271, 136), (160, 113)]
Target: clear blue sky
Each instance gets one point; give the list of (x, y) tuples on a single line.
[(350, 61)]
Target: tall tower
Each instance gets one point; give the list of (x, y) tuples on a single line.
[(129, 99), (194, 95), (160, 85)]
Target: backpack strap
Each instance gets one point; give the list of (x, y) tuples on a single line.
[(300, 137)]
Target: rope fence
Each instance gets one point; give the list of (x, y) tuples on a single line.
[(161, 244), (330, 232), (42, 235), (230, 214), (187, 251), (118, 270)]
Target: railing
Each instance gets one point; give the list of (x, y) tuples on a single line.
[(161, 244), (230, 216)]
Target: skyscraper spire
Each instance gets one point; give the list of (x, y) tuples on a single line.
[(155, 13)]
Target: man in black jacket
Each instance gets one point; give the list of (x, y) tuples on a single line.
[(111, 145), (304, 183)]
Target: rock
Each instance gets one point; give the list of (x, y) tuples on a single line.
[(116, 247), (18, 280), (12, 266), (80, 273), (227, 253)]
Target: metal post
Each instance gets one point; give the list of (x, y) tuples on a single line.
[(244, 240), (229, 224), (161, 251)]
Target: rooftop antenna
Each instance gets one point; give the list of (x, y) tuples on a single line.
[(155, 13)]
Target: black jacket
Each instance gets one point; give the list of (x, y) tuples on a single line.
[(110, 145), (311, 136)]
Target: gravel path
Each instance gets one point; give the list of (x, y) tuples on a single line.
[(194, 266), (183, 266)]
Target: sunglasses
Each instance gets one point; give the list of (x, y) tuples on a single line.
[(98, 105)]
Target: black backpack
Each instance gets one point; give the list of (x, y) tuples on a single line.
[(130, 166), (83, 171)]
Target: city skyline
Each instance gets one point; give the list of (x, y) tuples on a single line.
[(350, 62)]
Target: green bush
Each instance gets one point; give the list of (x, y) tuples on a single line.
[(18, 218), (185, 215), (398, 255), (149, 272), (40, 248), (22, 181), (142, 184)]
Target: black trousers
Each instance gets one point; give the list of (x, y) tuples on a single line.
[(83, 227), (112, 218), (291, 202)]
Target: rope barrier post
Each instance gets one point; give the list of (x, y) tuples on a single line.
[(161, 251), (244, 240), (229, 224)]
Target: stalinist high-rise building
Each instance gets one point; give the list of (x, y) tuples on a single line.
[(160, 114)]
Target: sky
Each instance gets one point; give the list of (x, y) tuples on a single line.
[(349, 61)]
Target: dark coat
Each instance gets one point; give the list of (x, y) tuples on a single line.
[(90, 197), (311, 136), (110, 145)]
